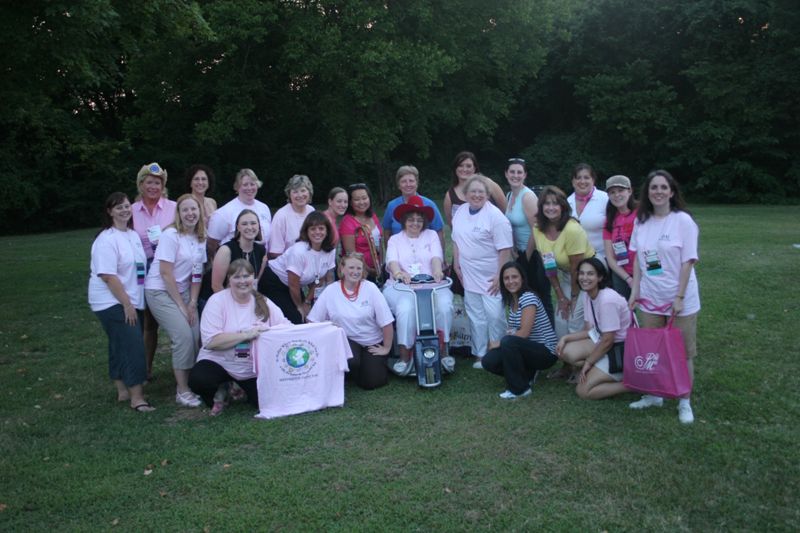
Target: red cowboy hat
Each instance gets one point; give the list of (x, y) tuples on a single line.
[(414, 204)]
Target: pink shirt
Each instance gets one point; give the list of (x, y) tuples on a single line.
[(662, 246), (611, 310), (184, 251), (223, 314), (479, 238), (286, 226), (350, 226), (414, 255), (362, 320), (621, 232), (222, 224), (300, 369), (163, 215), (116, 253), (309, 265)]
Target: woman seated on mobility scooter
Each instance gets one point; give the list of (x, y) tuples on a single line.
[(415, 250), (531, 342), (600, 345)]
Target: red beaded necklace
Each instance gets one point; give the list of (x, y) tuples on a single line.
[(352, 297)]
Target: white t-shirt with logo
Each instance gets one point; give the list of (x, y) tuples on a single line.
[(184, 251), (362, 319), (479, 238), (300, 369), (661, 246), (116, 253), (301, 259), (222, 224)]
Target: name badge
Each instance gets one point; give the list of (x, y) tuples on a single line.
[(140, 272), (550, 265), (653, 263), (197, 272), (242, 350), (620, 252), (153, 234), (594, 335)]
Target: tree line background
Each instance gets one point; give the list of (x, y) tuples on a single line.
[(348, 90)]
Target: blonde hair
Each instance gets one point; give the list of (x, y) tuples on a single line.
[(298, 181), (200, 228), (150, 170), (353, 255), (245, 172)]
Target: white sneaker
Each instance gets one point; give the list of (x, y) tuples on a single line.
[(188, 399), (448, 364), (647, 401), (402, 368), (508, 395), (685, 414), (478, 365)]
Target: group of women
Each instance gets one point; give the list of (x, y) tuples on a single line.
[(162, 263)]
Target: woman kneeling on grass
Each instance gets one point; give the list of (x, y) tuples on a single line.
[(531, 342), (599, 346), (232, 319), (116, 295)]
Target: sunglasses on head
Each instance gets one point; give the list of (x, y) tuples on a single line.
[(355, 186), (517, 160)]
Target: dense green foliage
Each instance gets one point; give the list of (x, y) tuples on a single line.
[(347, 90)]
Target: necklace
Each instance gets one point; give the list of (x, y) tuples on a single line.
[(350, 297)]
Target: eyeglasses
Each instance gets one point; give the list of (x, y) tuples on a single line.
[(517, 160)]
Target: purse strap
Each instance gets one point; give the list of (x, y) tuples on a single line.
[(591, 304), (367, 231)]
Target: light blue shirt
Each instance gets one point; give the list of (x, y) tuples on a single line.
[(519, 222), (391, 225)]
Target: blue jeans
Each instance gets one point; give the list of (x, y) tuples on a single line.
[(125, 346), (517, 360)]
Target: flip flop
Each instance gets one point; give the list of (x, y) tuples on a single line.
[(143, 408)]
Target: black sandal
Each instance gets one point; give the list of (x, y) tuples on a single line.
[(143, 408)]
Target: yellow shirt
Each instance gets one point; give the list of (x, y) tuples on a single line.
[(571, 241)]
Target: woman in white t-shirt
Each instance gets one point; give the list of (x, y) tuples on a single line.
[(664, 250), (599, 347), (308, 264), (232, 319), (415, 250), (172, 288), (482, 242), (588, 204), (222, 224), (117, 299), (356, 305), (289, 219)]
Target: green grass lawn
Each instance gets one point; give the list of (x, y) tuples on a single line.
[(401, 458)]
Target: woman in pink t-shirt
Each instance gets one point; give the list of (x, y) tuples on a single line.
[(617, 231), (361, 231), (598, 348), (415, 250), (664, 250), (289, 219), (232, 319)]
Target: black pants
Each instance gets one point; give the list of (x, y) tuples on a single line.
[(273, 288), (517, 360), (367, 370), (538, 280), (620, 285), (206, 377)]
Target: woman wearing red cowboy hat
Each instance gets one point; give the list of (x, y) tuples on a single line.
[(415, 250)]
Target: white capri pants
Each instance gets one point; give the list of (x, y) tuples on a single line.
[(402, 305), (487, 320), (575, 322), (185, 338)]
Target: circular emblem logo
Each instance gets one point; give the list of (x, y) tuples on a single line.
[(297, 357)]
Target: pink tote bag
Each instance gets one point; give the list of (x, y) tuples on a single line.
[(655, 362)]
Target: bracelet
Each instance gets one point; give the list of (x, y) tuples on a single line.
[(629, 277), (679, 297)]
